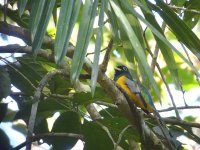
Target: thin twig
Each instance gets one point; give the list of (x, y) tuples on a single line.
[(181, 122), (190, 60), (182, 107), (107, 56), (100, 51), (185, 9), (5, 10), (95, 116), (163, 78), (175, 121), (15, 69), (106, 104), (183, 93), (107, 131), (48, 135), (120, 136), (156, 51), (36, 99)]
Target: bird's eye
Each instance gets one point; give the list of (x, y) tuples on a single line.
[(125, 68)]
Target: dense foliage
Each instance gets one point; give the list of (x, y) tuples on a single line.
[(67, 64)]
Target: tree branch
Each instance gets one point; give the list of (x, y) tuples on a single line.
[(23, 34), (175, 121), (181, 122), (107, 56), (48, 135)]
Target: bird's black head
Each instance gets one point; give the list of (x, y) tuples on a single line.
[(122, 70)]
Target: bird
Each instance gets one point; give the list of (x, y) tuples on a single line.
[(140, 96), (136, 92)]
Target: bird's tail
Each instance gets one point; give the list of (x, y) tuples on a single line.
[(165, 131)]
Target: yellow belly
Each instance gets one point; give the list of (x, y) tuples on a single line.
[(136, 100)]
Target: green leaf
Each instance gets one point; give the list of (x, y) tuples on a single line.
[(95, 137), (41, 28), (3, 110), (165, 50), (67, 122), (46, 108), (138, 50), (128, 48), (68, 15), (191, 18), (99, 36), (114, 25), (5, 84), (41, 126), (21, 6), (36, 13), (179, 28), (178, 2), (117, 124), (84, 34), (20, 127), (59, 85), (110, 112), (159, 35), (4, 142), (29, 72), (22, 21), (86, 98)]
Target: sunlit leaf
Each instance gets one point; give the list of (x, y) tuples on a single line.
[(21, 6), (84, 34), (65, 26), (95, 65), (138, 50), (165, 50), (36, 13), (180, 29), (95, 137), (41, 28), (159, 35), (68, 122)]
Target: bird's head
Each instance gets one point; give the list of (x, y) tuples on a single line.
[(121, 70)]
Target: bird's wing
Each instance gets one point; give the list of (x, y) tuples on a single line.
[(133, 86), (145, 93), (140, 91)]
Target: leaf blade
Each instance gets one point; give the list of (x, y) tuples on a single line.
[(89, 12), (160, 36), (41, 29), (95, 65), (60, 54), (180, 29), (21, 6), (139, 52)]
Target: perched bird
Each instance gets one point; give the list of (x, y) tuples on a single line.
[(140, 96), (137, 93)]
